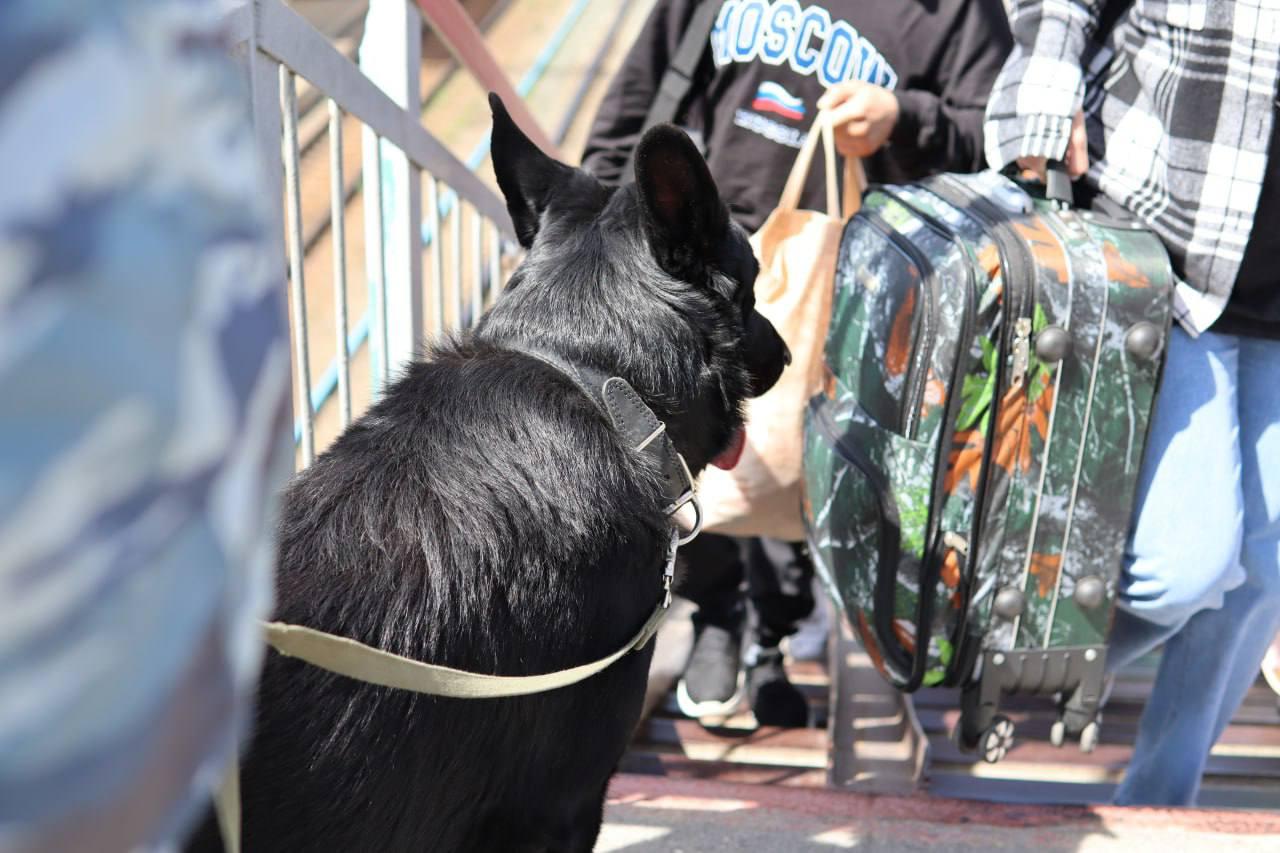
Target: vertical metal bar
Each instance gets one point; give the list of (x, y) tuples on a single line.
[(264, 88), (437, 254), (477, 266), (264, 81), (455, 250), (391, 56), (408, 307), (384, 364), (409, 327), (337, 206), (376, 262), (495, 262), (297, 290)]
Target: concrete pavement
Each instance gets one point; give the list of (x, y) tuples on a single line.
[(647, 814)]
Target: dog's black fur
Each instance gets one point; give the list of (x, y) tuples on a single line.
[(485, 515)]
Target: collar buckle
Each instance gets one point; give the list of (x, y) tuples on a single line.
[(689, 497)]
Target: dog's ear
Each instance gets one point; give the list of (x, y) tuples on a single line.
[(684, 213), (526, 175)]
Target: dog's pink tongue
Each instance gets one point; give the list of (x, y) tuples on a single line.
[(729, 458)]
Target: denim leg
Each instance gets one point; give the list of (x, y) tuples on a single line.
[(1132, 637), (1209, 664), (1259, 395), (1183, 548)]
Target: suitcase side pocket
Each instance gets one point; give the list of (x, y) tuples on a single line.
[(896, 353), (868, 517)]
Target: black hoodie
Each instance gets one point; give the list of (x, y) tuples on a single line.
[(756, 90)]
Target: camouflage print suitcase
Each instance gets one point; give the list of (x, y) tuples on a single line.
[(970, 466)]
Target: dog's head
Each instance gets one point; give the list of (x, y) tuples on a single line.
[(652, 282)]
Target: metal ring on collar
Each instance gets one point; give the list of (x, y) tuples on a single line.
[(689, 497)]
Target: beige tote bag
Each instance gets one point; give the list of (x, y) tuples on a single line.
[(797, 254)]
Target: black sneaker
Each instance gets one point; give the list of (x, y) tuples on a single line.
[(712, 682), (775, 701)]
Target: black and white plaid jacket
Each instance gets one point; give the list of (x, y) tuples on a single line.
[(1179, 103)]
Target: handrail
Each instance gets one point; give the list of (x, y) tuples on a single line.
[(329, 377), (459, 33), (287, 37), (402, 162), (276, 46), (522, 88)]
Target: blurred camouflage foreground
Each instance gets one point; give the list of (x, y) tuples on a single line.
[(144, 375)]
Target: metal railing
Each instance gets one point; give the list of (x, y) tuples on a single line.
[(419, 277)]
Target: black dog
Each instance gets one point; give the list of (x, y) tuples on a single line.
[(486, 516)]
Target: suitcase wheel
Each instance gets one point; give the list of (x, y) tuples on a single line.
[(1088, 735), (997, 740)]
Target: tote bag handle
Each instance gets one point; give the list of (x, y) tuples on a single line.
[(855, 179)]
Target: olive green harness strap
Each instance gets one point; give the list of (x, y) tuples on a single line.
[(227, 805), (356, 660), (375, 666)]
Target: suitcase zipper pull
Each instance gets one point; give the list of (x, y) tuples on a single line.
[(1021, 351), (956, 542)]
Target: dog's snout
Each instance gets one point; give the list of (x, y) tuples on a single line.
[(766, 353)]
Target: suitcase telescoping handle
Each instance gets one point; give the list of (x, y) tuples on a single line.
[(1104, 210), (1057, 183)]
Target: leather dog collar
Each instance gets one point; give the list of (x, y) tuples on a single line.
[(636, 423)]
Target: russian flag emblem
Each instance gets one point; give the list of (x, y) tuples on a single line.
[(772, 98)]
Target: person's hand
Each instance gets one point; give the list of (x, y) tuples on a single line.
[(862, 116), (1077, 159)]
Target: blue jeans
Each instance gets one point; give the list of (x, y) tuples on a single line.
[(1202, 570)]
